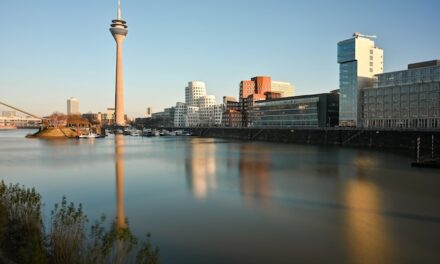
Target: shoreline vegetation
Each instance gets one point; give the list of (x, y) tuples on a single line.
[(68, 238)]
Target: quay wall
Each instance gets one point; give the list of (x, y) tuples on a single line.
[(383, 139)]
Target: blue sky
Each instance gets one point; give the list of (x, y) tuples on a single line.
[(52, 50)]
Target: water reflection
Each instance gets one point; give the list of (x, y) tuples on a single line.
[(254, 167), (119, 163), (367, 233), (201, 167)]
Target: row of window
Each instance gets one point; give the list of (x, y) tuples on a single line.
[(432, 123)]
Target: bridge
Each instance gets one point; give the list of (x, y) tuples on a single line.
[(31, 121), (20, 110)]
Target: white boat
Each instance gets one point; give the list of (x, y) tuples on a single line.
[(135, 132), (91, 135)]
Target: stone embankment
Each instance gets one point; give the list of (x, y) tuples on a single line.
[(382, 139)]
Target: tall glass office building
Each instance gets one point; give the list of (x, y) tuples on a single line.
[(359, 60), (404, 99)]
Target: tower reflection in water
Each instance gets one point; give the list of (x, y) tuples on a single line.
[(122, 230), (201, 167), (367, 232), (119, 163)]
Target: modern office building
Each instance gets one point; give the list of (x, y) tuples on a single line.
[(285, 89), (308, 111), (408, 99), (359, 60), (260, 88), (119, 30), (207, 110), (193, 92), (72, 106)]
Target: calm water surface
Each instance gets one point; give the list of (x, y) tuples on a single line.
[(219, 201)]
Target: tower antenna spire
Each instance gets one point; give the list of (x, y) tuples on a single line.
[(119, 10)]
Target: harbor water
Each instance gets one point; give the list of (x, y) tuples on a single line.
[(221, 201)]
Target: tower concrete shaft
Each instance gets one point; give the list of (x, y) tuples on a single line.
[(119, 30)]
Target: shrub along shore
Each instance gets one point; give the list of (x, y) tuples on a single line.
[(69, 238)]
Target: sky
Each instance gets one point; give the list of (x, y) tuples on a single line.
[(52, 50)]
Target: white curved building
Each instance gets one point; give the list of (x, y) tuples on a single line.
[(193, 92), (206, 106)]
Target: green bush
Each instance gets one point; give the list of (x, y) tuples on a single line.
[(23, 238)]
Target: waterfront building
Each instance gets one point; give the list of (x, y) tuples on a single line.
[(206, 107), (232, 118), (94, 118), (231, 103), (72, 106), (109, 117), (285, 89), (193, 92), (247, 88), (359, 60), (119, 30), (192, 118), (199, 108), (260, 88), (404, 99), (179, 115), (218, 114), (272, 95), (308, 111)]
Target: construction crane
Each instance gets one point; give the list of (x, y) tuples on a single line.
[(22, 111), (357, 34)]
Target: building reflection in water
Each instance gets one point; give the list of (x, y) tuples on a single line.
[(201, 167), (367, 232), (254, 168)]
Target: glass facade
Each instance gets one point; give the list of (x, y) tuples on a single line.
[(403, 99), (348, 82), (307, 112), (348, 89)]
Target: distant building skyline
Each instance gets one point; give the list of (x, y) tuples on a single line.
[(164, 53), (73, 106)]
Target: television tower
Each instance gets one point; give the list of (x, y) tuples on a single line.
[(119, 30)]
